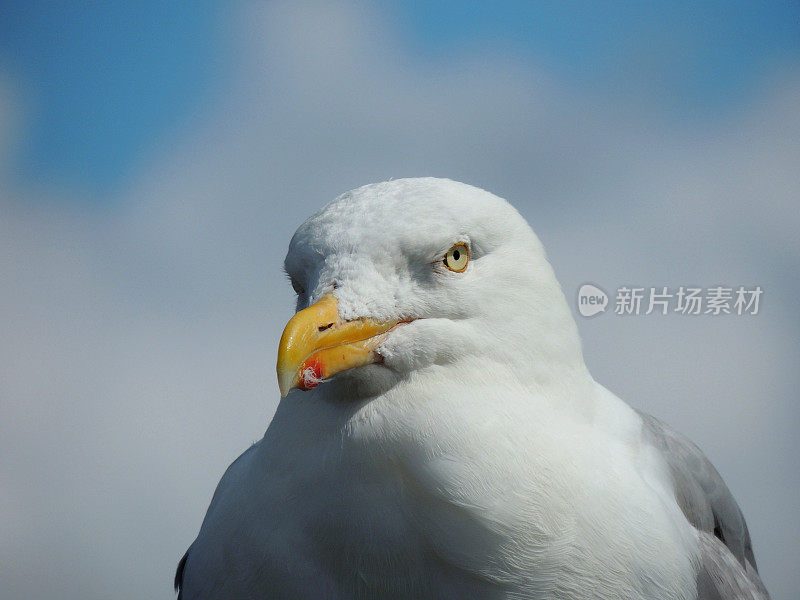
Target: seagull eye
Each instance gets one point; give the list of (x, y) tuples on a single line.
[(457, 257)]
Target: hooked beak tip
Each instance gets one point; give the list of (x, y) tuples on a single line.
[(286, 381)]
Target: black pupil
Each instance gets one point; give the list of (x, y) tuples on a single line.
[(456, 254)]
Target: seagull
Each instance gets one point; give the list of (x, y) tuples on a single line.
[(439, 434)]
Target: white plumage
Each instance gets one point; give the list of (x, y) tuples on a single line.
[(477, 458)]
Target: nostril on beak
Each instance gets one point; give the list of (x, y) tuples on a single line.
[(324, 327)]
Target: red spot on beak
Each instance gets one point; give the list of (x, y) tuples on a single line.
[(310, 374)]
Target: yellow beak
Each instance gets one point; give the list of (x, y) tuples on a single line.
[(316, 343)]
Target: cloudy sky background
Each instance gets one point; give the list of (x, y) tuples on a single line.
[(154, 162)]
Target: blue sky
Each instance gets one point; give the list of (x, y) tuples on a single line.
[(694, 57), (102, 85)]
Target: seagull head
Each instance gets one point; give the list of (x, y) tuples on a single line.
[(400, 279)]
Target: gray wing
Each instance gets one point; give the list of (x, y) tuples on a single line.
[(728, 567), (179, 574)]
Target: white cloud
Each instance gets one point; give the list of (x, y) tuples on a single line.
[(139, 360)]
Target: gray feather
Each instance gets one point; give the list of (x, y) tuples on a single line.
[(179, 574), (722, 577), (728, 570)]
